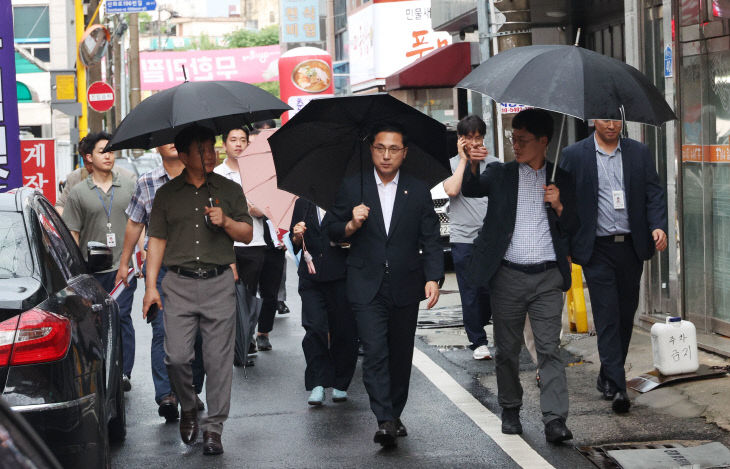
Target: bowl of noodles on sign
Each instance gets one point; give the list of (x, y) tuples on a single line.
[(312, 76)]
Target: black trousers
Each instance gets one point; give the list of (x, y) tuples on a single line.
[(330, 338), (386, 334), (269, 283), (249, 263), (613, 275)]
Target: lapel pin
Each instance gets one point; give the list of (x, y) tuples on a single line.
[(405, 192)]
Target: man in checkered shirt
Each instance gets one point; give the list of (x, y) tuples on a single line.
[(138, 211), (522, 256)]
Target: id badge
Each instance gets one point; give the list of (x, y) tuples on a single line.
[(111, 240), (618, 200)]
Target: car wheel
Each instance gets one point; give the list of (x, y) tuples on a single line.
[(118, 424), (104, 457)]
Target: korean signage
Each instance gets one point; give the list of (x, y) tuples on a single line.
[(305, 73), (299, 21), (130, 6), (38, 157), (706, 153), (387, 36), (10, 176), (512, 108), (162, 70)]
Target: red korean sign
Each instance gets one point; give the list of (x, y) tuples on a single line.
[(38, 158), (305, 73), (100, 96)]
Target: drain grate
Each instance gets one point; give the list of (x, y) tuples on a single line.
[(598, 455)]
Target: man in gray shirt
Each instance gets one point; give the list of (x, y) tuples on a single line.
[(466, 215)]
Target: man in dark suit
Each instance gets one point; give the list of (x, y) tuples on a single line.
[(330, 340), (623, 219), (387, 222), (521, 255)]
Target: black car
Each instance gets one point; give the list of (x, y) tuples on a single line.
[(60, 342)]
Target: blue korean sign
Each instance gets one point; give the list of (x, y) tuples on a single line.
[(299, 21), (10, 166), (130, 6), (668, 62)]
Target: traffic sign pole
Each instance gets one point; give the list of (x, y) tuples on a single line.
[(81, 70)]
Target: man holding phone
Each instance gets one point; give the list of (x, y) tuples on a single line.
[(465, 220)]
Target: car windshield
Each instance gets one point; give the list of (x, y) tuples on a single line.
[(15, 256)]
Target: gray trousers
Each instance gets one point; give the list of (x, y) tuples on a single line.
[(513, 295), (208, 304)]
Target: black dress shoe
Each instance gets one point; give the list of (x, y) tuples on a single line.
[(386, 434), (212, 443), (608, 392), (189, 426), (621, 402), (556, 431), (168, 408), (511, 421), (282, 308), (400, 429)]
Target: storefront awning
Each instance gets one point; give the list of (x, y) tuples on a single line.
[(442, 68)]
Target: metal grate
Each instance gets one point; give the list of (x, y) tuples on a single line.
[(598, 455)]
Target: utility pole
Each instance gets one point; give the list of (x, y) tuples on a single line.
[(118, 74), (81, 69), (330, 26), (134, 92), (487, 106), (94, 74)]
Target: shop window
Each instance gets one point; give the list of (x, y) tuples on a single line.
[(31, 25)]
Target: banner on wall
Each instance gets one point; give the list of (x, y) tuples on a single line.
[(305, 73), (162, 70), (10, 172), (38, 157), (385, 36)]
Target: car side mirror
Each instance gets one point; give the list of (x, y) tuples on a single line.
[(99, 256)]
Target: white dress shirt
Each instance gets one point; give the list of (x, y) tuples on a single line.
[(258, 222), (387, 192)]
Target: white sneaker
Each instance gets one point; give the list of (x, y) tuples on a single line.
[(482, 353)]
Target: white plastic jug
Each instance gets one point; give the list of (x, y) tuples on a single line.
[(675, 346)]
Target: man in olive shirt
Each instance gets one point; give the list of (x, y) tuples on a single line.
[(199, 286)]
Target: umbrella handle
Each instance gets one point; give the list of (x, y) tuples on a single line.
[(557, 157)]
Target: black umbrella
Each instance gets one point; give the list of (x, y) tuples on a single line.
[(327, 141), (218, 105), (570, 80)]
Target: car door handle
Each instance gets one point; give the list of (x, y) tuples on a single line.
[(108, 301), (96, 307)]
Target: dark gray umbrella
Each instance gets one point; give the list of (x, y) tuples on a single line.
[(570, 80), (218, 105)]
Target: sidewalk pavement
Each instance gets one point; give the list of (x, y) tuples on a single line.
[(706, 398)]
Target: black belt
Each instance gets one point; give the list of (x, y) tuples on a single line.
[(616, 238), (531, 268), (199, 273)]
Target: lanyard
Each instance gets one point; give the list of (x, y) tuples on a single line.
[(108, 211)]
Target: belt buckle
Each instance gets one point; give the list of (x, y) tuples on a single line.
[(201, 273), (619, 238)]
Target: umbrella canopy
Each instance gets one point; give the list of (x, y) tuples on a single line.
[(570, 80), (218, 105), (258, 178), (328, 140)]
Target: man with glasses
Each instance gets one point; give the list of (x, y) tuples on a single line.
[(465, 219), (387, 220), (522, 255), (623, 216)]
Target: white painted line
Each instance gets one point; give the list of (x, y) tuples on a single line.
[(515, 447)]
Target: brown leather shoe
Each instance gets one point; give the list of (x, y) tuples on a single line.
[(212, 443), (189, 426)]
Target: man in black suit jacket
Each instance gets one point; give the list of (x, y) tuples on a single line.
[(623, 216), (387, 222), (521, 255), (330, 340)]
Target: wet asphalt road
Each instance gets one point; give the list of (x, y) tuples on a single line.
[(271, 425)]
